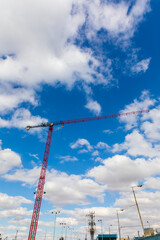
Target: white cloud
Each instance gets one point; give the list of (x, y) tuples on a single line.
[(93, 106), (120, 172), (20, 119), (108, 131), (11, 97), (144, 103), (152, 183), (12, 202), (17, 213), (81, 142), (9, 160), (95, 153), (39, 48), (150, 125), (116, 18), (136, 145), (28, 176), (67, 158), (102, 145), (70, 189), (141, 66)]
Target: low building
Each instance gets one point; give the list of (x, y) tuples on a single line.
[(107, 237)]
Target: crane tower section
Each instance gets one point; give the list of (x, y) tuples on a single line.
[(39, 193)]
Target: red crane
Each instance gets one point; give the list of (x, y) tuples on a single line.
[(39, 193)]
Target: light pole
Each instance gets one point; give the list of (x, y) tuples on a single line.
[(137, 205), (100, 220), (110, 231), (119, 229), (148, 224), (55, 215), (66, 232), (62, 230)]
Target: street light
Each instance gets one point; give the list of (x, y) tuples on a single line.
[(66, 232), (62, 229), (137, 205), (119, 229), (100, 220), (110, 231), (55, 214), (148, 223)]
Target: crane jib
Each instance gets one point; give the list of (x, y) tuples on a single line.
[(51, 124)]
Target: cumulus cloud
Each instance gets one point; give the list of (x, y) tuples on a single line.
[(143, 103), (102, 145), (20, 119), (27, 176), (39, 46), (136, 145), (118, 19), (12, 202), (141, 66), (81, 142), (150, 125), (9, 160), (67, 158), (70, 189), (120, 172), (93, 106)]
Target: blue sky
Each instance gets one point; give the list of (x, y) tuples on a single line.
[(72, 59)]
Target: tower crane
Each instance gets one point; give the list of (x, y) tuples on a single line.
[(39, 193)]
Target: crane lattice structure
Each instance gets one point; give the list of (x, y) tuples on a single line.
[(91, 224), (39, 193)]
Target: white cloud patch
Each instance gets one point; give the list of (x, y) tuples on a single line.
[(70, 189), (21, 118), (39, 46), (150, 125), (144, 103), (27, 176), (67, 158), (81, 142), (136, 145), (119, 19), (9, 160), (11, 97), (74, 189), (93, 106), (120, 172), (12, 202), (141, 66), (102, 145)]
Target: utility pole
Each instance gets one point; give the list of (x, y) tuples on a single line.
[(119, 228), (137, 205), (91, 224)]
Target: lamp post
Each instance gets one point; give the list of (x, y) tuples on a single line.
[(148, 224), (62, 230), (66, 232), (55, 215), (119, 229), (137, 205), (109, 231), (100, 220)]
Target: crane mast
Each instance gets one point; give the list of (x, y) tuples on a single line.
[(39, 193)]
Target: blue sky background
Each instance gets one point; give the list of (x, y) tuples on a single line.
[(72, 59)]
